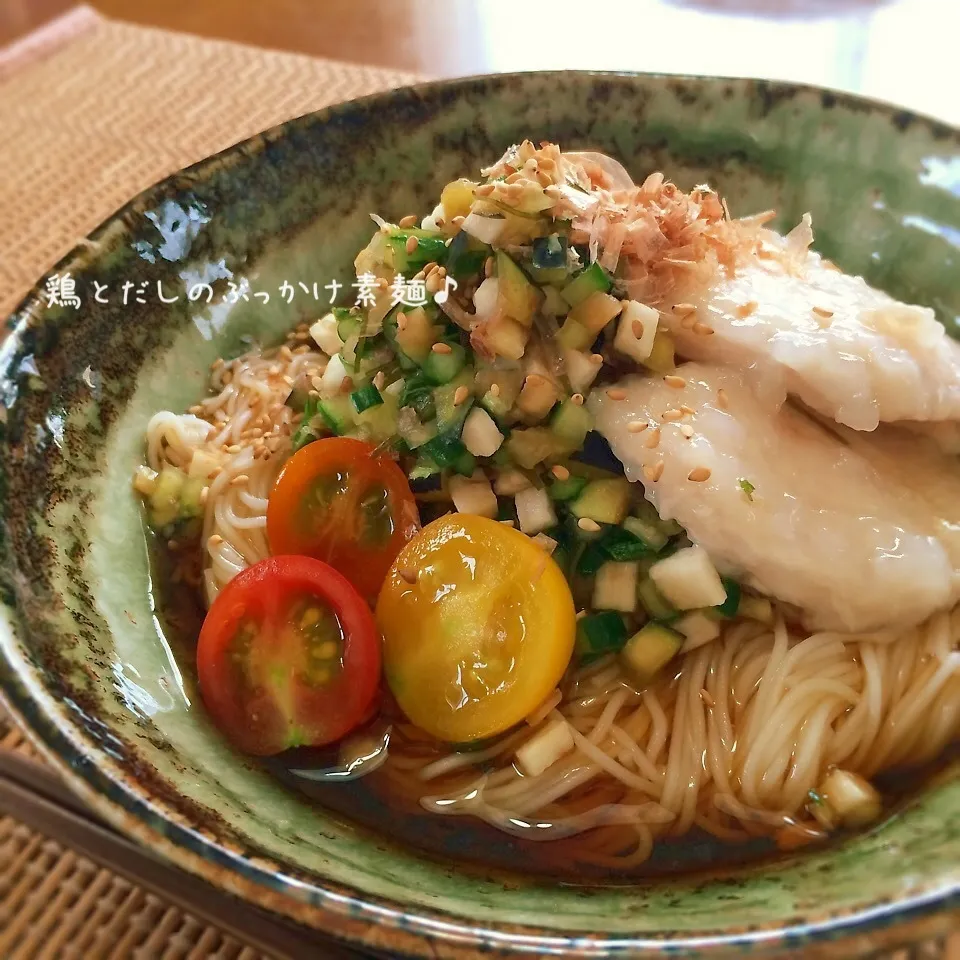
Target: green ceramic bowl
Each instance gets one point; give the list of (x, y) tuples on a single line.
[(85, 661)]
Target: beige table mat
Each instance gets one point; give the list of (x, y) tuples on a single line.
[(93, 111)]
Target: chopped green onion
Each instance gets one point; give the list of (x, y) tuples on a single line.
[(568, 489), (366, 397), (600, 633), (445, 450), (592, 559), (620, 544), (730, 606), (747, 487)]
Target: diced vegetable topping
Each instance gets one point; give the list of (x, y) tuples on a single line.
[(599, 634), (697, 628), (473, 495), (616, 587), (688, 579), (534, 510), (546, 748), (651, 649), (605, 501)]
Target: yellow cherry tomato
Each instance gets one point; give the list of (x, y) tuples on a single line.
[(483, 633)]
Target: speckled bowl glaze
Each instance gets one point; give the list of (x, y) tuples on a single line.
[(91, 674)]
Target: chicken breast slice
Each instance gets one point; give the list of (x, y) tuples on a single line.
[(846, 350), (787, 507)]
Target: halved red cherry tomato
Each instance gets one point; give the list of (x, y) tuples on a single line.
[(288, 656), (340, 501)]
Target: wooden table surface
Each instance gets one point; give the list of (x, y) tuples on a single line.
[(898, 50)]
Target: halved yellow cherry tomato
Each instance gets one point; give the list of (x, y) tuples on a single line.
[(483, 633)]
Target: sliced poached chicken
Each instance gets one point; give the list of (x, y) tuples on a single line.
[(786, 505), (803, 328)]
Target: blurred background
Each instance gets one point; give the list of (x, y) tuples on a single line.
[(900, 50)]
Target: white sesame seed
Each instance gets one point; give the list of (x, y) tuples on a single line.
[(590, 526), (699, 474), (654, 473)]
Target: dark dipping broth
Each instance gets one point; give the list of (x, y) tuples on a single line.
[(381, 803)]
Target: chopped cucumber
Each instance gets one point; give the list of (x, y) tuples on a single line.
[(445, 450), (594, 313), (430, 248), (591, 280), (730, 606), (698, 629), (418, 394), (415, 334), (650, 649), (605, 501), (591, 558), (466, 256), (650, 534), (689, 580), (620, 544), (338, 412), (425, 476), (519, 298), (574, 336), (480, 434), (756, 608), (450, 414), (531, 446), (499, 400), (661, 358), (534, 510), (568, 489), (570, 424), (553, 303), (599, 634), (473, 495), (414, 432), (443, 367), (349, 326), (366, 397), (616, 587), (654, 602)]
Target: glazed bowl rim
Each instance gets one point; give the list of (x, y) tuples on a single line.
[(339, 910)]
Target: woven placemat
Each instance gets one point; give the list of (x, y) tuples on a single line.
[(92, 112)]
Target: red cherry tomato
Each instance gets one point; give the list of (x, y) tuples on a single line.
[(339, 501), (288, 656)]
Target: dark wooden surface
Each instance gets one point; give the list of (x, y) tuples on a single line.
[(900, 50)]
